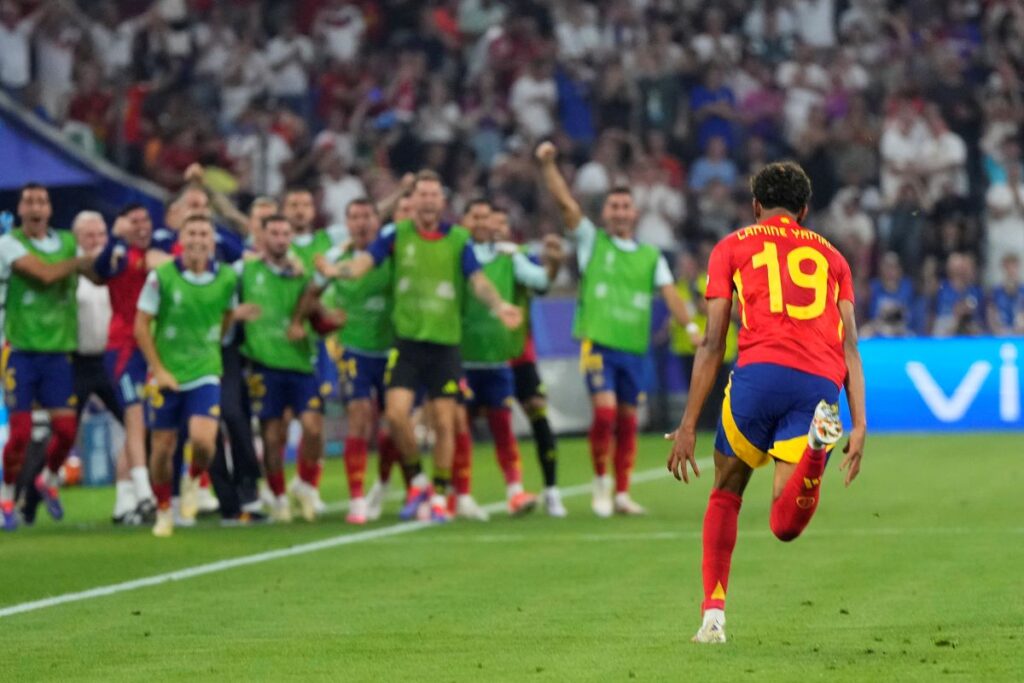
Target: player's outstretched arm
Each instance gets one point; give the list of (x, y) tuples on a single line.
[(677, 307), (352, 269), (33, 267), (305, 306), (547, 155), (237, 221), (705, 369), (854, 449), (510, 316), (144, 337)]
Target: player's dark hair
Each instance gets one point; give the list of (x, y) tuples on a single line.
[(296, 189), (478, 201), (27, 187), (782, 185), (275, 218), (426, 175), (361, 201), (128, 208), (619, 189)]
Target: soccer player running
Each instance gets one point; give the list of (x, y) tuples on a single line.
[(797, 347), (365, 340), (184, 309), (124, 264), (41, 326), (613, 321), (529, 389), (433, 263), (487, 347), (281, 378)]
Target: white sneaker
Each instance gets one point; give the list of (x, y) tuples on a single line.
[(208, 503), (712, 630), (318, 503), (601, 502), (281, 509), (304, 496), (552, 501), (375, 501), (625, 505), (466, 507), (266, 496), (826, 427), (164, 525), (188, 503), (356, 511), (179, 519)]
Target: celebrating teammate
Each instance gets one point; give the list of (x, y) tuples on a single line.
[(183, 311), (797, 347), (281, 379), (364, 340), (613, 321), (433, 264), (41, 327)]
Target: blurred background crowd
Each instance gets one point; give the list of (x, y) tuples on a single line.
[(906, 115)]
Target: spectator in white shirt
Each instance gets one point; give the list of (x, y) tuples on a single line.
[(1004, 223), (339, 187), (851, 229), (340, 26), (438, 118), (714, 44), (900, 149), (533, 98), (943, 160), (577, 35), (660, 207), (804, 83), (245, 76), (260, 155), (16, 47), (56, 43), (290, 57)]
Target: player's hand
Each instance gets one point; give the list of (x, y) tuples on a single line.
[(336, 317), (684, 443), (553, 249), (510, 316), (296, 331), (247, 312), (165, 380), (408, 181), (546, 152), (194, 174), (854, 451), (122, 227)]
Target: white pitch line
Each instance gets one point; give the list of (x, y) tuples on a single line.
[(302, 549)]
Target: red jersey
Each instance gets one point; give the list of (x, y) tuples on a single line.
[(789, 281), (124, 286)]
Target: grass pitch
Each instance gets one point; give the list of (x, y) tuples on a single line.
[(913, 573)]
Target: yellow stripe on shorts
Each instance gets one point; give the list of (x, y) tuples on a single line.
[(745, 451)]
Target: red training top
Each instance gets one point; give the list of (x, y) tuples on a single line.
[(789, 281)]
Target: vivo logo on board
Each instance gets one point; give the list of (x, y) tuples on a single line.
[(953, 407)]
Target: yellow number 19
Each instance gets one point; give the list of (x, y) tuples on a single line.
[(817, 279)]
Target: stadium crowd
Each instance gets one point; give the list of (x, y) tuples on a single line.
[(906, 114)]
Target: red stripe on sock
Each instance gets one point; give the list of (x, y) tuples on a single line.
[(355, 465), (462, 470), (505, 445), (195, 470), (793, 509), (720, 523), (601, 431), (387, 456), (18, 438), (162, 493), (62, 439), (625, 450), (275, 480)]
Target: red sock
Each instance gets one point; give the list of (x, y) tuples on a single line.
[(162, 493), (462, 474), (18, 439), (62, 438), (793, 509), (355, 465), (505, 444), (387, 456), (625, 450), (307, 471), (601, 438), (719, 541), (195, 470), (275, 480)]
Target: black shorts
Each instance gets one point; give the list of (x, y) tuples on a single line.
[(418, 365), (528, 382)]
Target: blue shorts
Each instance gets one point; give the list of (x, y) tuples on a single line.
[(326, 371), (174, 409), (767, 412), (273, 391), (610, 370), (362, 377), (127, 371), (38, 380), (490, 387)]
